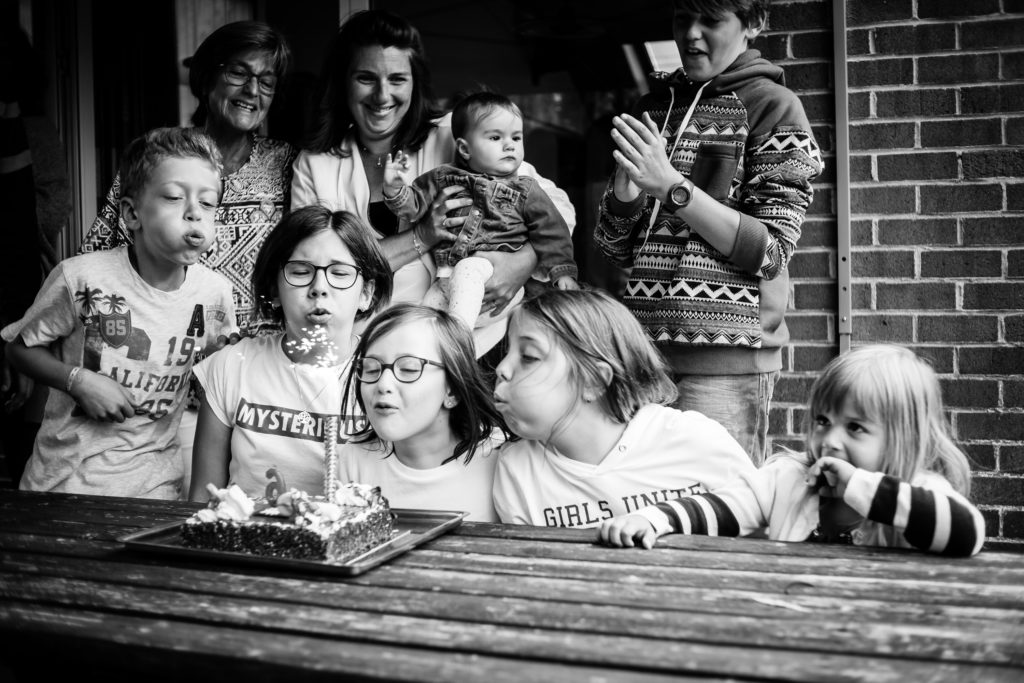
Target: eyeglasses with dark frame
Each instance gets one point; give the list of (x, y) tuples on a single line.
[(302, 273), (236, 74), (406, 369)]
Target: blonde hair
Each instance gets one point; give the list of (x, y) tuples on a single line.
[(152, 148), (898, 389), (592, 329)]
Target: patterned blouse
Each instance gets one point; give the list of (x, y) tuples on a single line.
[(255, 198)]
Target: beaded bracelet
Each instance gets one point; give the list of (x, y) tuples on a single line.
[(71, 378)]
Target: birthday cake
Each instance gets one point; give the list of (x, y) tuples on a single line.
[(342, 525)]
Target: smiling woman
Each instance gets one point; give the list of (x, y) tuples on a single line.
[(380, 90), (375, 99)]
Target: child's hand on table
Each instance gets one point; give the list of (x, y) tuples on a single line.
[(625, 531)]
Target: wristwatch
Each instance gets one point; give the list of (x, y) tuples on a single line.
[(679, 196)]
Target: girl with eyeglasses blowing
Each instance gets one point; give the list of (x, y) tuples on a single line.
[(271, 401), (432, 430)]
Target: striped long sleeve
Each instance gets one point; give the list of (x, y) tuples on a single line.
[(928, 514), (741, 507), (936, 519), (704, 515)]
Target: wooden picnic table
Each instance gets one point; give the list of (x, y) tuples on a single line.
[(494, 603)]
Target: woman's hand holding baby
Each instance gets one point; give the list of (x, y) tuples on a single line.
[(437, 226)]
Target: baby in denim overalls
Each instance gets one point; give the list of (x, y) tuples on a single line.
[(508, 210)]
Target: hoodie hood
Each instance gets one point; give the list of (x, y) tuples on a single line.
[(749, 66)]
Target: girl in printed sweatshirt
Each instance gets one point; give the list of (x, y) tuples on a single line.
[(882, 470)]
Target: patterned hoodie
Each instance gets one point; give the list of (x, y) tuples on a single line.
[(749, 145)]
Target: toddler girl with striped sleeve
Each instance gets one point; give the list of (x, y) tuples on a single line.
[(881, 470)]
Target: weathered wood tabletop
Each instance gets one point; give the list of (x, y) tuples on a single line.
[(495, 603)]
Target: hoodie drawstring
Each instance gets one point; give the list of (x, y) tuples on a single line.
[(675, 144)]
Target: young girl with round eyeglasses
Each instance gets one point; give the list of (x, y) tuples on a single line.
[(432, 429), (276, 400)]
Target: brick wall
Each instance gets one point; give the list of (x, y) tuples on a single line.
[(936, 105)]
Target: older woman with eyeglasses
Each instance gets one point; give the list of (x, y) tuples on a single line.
[(433, 431), (235, 74)]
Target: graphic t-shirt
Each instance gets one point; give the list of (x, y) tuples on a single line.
[(452, 486), (663, 454), (105, 317), (254, 388)]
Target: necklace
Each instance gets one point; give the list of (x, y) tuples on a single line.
[(304, 419), (378, 159)]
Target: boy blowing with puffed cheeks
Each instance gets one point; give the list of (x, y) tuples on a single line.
[(115, 333)]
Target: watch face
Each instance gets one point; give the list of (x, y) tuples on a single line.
[(680, 195)]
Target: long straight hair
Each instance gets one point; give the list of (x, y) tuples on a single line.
[(898, 389)]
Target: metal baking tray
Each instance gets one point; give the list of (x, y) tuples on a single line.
[(412, 528)]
